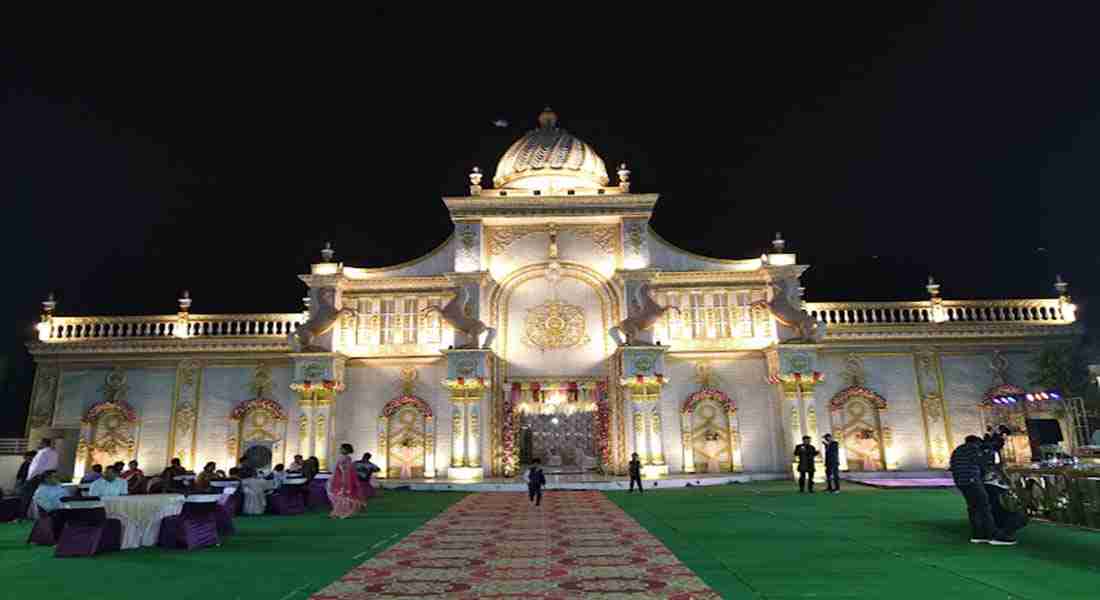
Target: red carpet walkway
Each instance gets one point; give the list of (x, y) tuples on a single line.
[(497, 545)]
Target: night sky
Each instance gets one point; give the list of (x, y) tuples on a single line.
[(958, 142)]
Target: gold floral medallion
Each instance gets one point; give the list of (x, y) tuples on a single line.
[(554, 325)]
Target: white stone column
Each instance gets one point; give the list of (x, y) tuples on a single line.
[(686, 442), (656, 445), (473, 435), (640, 445)]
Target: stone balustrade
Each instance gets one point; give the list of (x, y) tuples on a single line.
[(77, 329), (841, 314)]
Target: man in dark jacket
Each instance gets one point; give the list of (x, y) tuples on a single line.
[(635, 470), (968, 467), (21, 482), (805, 453), (832, 464)]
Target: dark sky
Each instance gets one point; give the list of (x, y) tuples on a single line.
[(962, 142)]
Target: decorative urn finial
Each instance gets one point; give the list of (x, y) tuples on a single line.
[(1060, 285), (624, 178), (932, 287), (328, 253), (548, 119), (475, 181), (185, 301), (779, 243), (48, 305)]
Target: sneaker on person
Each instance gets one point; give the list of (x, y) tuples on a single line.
[(979, 541), (1002, 542)]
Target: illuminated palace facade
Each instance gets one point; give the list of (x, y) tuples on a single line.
[(553, 323)]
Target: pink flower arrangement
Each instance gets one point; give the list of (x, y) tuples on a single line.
[(708, 394), (258, 403), (103, 406), (402, 401)]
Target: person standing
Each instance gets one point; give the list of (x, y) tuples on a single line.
[(536, 479), (343, 487), (635, 470), (45, 460), (21, 481), (805, 453), (968, 464), (832, 464)]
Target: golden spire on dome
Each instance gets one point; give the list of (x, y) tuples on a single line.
[(548, 119)]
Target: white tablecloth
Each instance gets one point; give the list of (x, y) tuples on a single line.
[(141, 516)]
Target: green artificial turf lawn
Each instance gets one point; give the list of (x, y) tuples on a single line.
[(765, 540), (270, 557)]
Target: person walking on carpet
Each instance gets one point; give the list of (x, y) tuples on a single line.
[(635, 470), (832, 464), (536, 479), (344, 490), (805, 452)]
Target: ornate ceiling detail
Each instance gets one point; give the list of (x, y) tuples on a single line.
[(605, 237)]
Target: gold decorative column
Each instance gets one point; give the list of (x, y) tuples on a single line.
[(182, 443), (794, 372), (937, 423), (468, 376), (318, 379), (641, 376)]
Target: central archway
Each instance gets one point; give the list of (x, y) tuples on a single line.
[(552, 329)]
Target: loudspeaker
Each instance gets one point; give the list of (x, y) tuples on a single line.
[(1045, 431)]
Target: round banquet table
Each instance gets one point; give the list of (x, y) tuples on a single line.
[(141, 516)]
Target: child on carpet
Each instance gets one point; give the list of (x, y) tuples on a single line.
[(535, 479)]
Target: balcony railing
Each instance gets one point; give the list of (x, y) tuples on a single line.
[(77, 329), (12, 446), (1038, 312)]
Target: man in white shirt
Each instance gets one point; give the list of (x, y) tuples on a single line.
[(44, 460), (109, 485)]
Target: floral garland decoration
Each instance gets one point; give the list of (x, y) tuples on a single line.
[(258, 403), (708, 394), (857, 391), (402, 401), (103, 406), (603, 424)]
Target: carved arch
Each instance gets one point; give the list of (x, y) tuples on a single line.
[(412, 432), (108, 433), (710, 435), (856, 419), (258, 420)]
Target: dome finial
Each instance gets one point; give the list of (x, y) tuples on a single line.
[(548, 118)]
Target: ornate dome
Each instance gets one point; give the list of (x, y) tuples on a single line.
[(550, 158)]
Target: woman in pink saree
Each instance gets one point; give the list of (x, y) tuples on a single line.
[(344, 490)]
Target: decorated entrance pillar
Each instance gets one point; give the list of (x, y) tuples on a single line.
[(318, 379), (467, 383), (642, 369), (794, 372)]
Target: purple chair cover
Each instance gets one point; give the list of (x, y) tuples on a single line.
[(88, 531), (288, 500), (9, 509), (223, 516), (318, 495), (195, 527), (46, 529)]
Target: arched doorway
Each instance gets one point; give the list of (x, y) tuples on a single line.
[(406, 438), (258, 422), (856, 420), (709, 433), (108, 434)]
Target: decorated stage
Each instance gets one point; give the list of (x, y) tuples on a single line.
[(577, 481)]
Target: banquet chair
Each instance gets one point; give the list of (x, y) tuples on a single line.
[(223, 514), (47, 528), (317, 496), (290, 498), (195, 527), (9, 508), (86, 530)]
